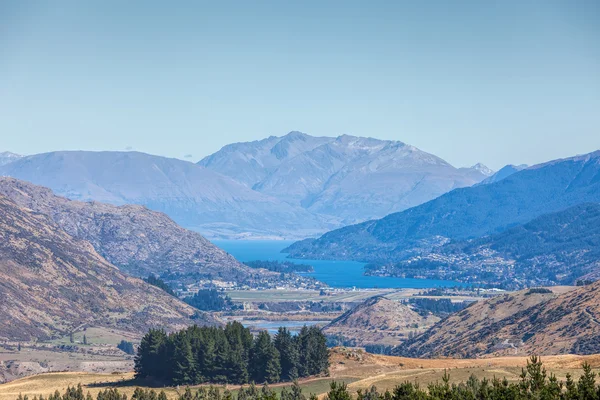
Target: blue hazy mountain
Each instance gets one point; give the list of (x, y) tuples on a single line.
[(346, 177), (503, 172), (7, 157), (464, 213), (195, 197), (559, 248)]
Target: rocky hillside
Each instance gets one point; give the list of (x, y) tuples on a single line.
[(463, 213), (379, 321), (195, 197), (52, 283), (137, 240), (347, 177), (526, 322)]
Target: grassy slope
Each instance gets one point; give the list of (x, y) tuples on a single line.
[(359, 369)]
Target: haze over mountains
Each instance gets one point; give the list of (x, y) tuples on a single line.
[(195, 197), (347, 177), (463, 213), (8, 157), (293, 186)]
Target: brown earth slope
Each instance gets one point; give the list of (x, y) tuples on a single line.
[(134, 238), (52, 283), (379, 321), (517, 324)]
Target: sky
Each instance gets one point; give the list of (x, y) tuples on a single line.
[(470, 81)]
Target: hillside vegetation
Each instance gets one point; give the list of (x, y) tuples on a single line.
[(379, 321), (554, 249), (525, 322), (53, 283), (139, 241)]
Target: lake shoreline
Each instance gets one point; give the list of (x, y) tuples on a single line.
[(337, 274)]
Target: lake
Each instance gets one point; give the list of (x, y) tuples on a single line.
[(337, 274), (273, 326)]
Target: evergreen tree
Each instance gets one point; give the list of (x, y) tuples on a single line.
[(264, 360), (314, 355), (184, 371), (586, 386), (338, 391), (288, 350), (149, 361), (126, 347)]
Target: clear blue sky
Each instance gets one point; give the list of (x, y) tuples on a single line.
[(511, 82)]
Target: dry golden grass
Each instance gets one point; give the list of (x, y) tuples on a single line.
[(357, 368), (386, 372)]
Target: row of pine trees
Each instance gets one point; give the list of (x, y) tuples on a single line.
[(231, 355)]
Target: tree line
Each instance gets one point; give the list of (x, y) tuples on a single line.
[(159, 283), (230, 355), (210, 300), (534, 384)]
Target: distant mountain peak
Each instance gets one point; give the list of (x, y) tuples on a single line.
[(296, 135), (7, 157), (349, 178), (483, 169)]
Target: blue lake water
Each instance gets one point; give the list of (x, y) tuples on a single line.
[(338, 274), (273, 326)]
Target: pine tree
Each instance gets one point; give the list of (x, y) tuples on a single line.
[(296, 392), (150, 360), (288, 351), (264, 360), (587, 384), (314, 355), (338, 391), (184, 370)]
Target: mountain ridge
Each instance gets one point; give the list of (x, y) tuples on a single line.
[(348, 177), (140, 241), (558, 248), (52, 283), (532, 321), (195, 197), (463, 213)]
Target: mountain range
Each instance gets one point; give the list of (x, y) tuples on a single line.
[(53, 283), (294, 186), (558, 248), (462, 214), (346, 177), (195, 197), (139, 241)]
